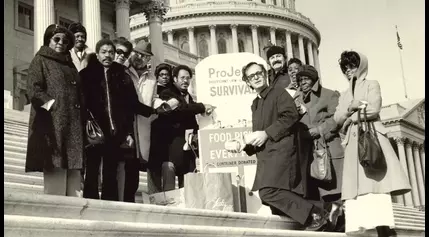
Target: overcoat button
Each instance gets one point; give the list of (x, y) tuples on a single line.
[(77, 106), (73, 82)]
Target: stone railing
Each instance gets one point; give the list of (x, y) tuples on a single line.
[(210, 6), (174, 54)]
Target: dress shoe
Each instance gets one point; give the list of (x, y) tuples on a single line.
[(334, 212), (318, 222)]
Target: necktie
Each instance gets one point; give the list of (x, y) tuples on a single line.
[(108, 78)]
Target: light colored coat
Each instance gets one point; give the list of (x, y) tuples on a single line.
[(355, 181), (83, 62), (145, 86)]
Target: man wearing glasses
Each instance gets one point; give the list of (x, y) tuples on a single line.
[(278, 176)]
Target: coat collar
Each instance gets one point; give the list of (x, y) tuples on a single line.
[(265, 92), (47, 52)]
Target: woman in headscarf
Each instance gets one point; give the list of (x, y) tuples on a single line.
[(55, 136), (367, 196)]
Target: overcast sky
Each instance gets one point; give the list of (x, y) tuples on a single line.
[(368, 26)]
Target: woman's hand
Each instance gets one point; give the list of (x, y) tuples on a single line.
[(354, 106)]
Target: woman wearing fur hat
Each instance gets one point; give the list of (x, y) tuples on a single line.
[(367, 195), (321, 131), (55, 140)]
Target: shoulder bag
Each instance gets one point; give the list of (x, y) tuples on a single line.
[(321, 165), (94, 134)]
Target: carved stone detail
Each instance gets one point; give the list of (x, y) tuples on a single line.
[(415, 145), (254, 27), (122, 4), (155, 9), (400, 140), (212, 27), (233, 26)]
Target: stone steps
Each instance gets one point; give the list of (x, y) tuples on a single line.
[(22, 188), (15, 225)]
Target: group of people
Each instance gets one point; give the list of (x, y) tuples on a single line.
[(293, 115), (140, 113), (144, 117)]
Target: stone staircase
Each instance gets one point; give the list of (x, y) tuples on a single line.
[(28, 212)]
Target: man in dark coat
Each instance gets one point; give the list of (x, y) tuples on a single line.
[(175, 124), (278, 172), (111, 98), (278, 74)]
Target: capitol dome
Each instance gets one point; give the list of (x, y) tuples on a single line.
[(207, 27)]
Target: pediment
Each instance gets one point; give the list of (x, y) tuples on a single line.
[(416, 114)]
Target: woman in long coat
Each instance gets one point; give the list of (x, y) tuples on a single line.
[(55, 136), (368, 203)]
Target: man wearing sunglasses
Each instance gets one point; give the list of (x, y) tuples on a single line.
[(80, 52)]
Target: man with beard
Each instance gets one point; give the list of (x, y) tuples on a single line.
[(80, 53), (278, 74), (176, 123), (111, 98)]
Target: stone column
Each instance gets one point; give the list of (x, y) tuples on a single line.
[(408, 200), (273, 35), (310, 53), (419, 173), (192, 46), (422, 158), (270, 2), (213, 42), (255, 41), (316, 58), (91, 17), (286, 3), (289, 45), (301, 49), (279, 3), (123, 18), (412, 174), (44, 15), (170, 37), (234, 38), (155, 11)]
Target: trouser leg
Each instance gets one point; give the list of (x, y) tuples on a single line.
[(180, 180), (55, 181), (168, 176), (121, 180), (288, 203), (73, 183), (154, 180), (90, 189), (110, 182), (131, 179)]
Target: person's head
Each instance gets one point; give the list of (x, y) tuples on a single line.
[(79, 32), (141, 55), (123, 49), (276, 57), (105, 50), (182, 76), (58, 38), (349, 63), (163, 74), (307, 76), (292, 68), (255, 75)]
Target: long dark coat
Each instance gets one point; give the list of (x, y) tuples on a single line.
[(274, 112), (321, 104), (175, 124), (55, 137), (123, 99), (279, 80)]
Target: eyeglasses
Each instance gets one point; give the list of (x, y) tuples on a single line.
[(255, 75), (121, 52), (58, 39), (144, 56)]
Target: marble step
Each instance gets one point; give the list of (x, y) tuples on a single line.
[(15, 149), (15, 169), (14, 161), (24, 226), (8, 137), (22, 188), (41, 205), (15, 155), (21, 144), (16, 127), (23, 179)]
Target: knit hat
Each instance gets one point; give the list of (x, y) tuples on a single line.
[(162, 66), (144, 47), (54, 29), (77, 27), (275, 50), (309, 71)]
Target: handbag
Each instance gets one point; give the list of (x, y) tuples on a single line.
[(370, 154), (94, 134), (320, 167)]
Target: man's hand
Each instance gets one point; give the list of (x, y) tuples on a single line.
[(129, 140), (314, 132), (259, 138), (209, 109), (354, 105)]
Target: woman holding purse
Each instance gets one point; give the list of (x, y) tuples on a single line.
[(367, 195)]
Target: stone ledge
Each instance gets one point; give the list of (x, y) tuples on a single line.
[(47, 227), (78, 208)]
